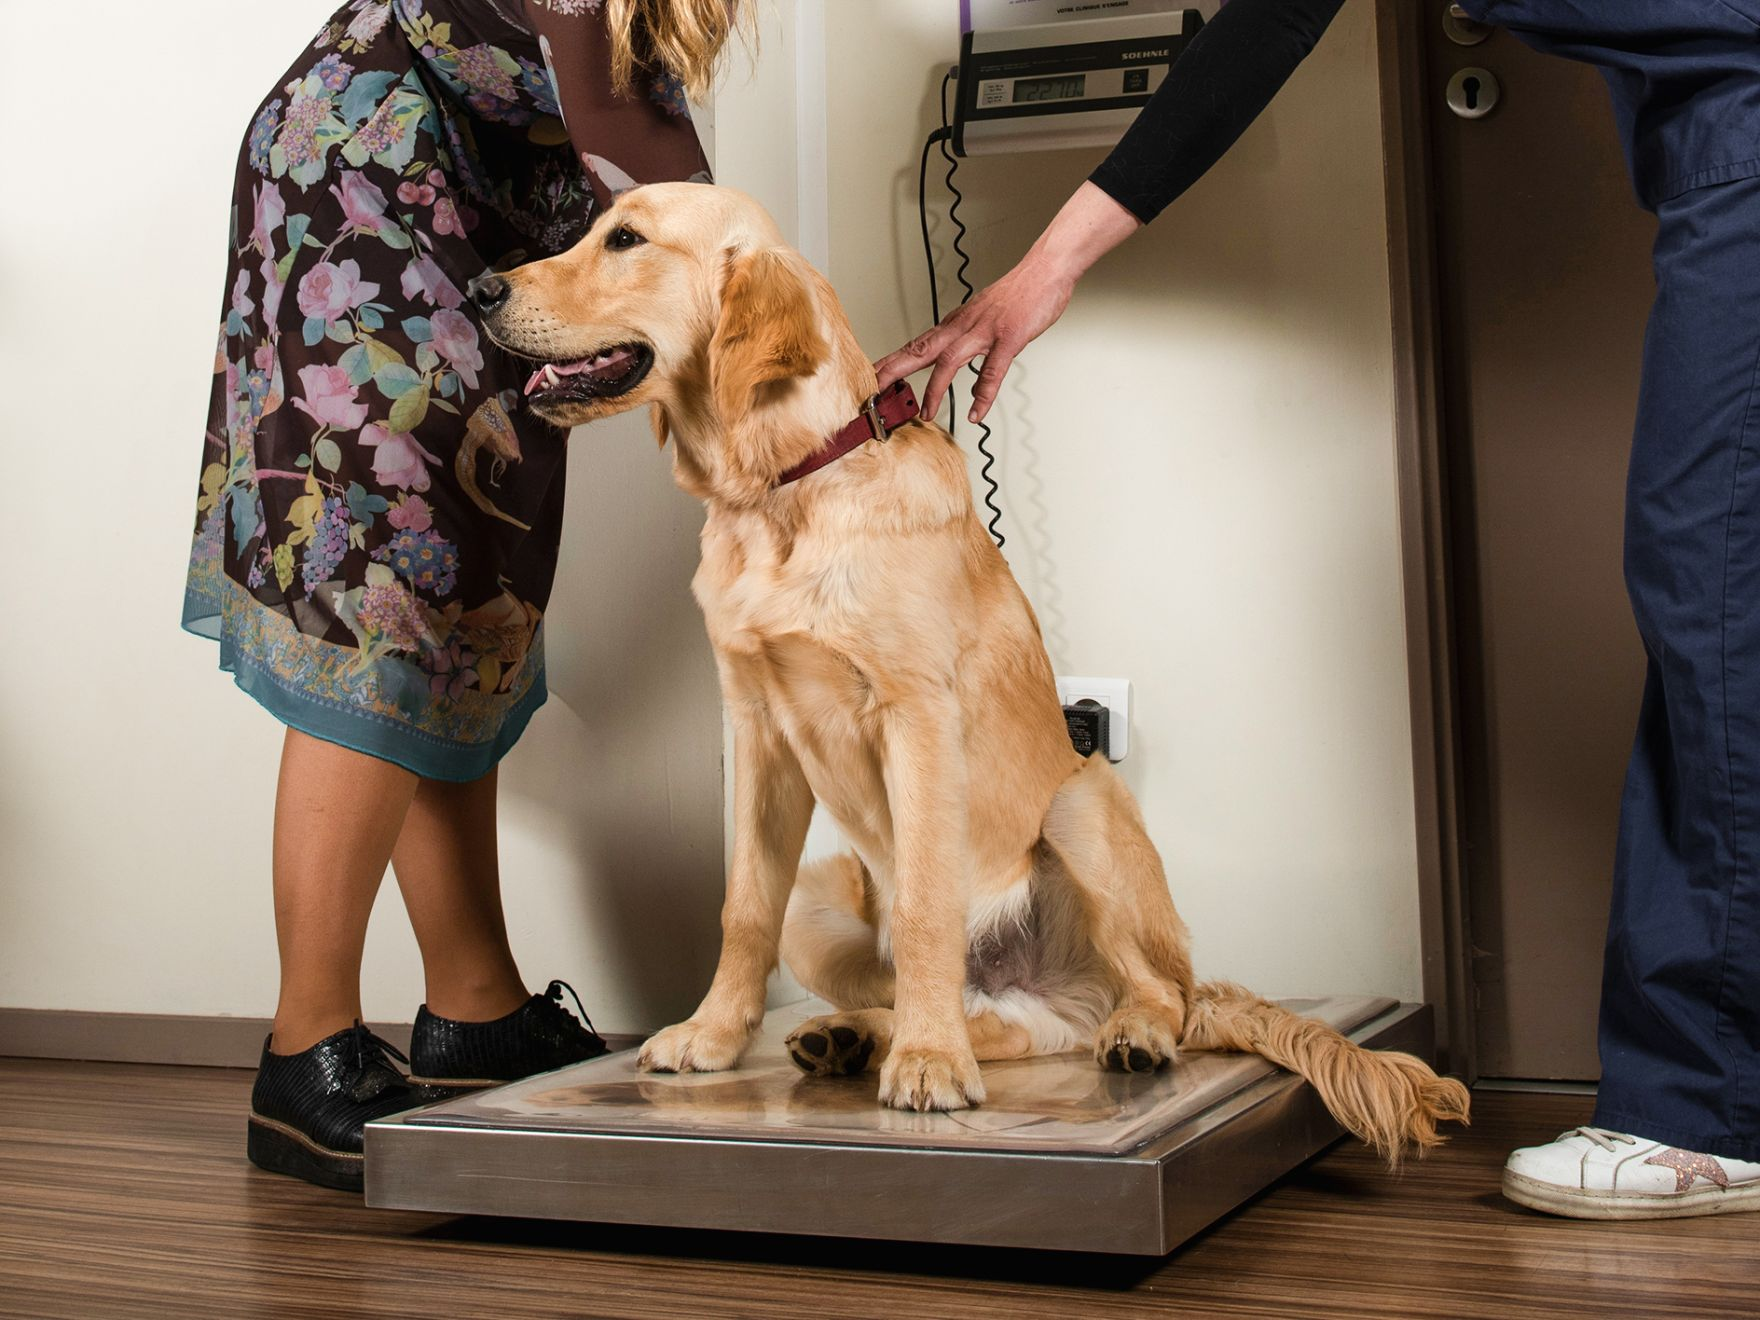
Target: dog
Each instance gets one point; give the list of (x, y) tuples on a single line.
[(877, 657)]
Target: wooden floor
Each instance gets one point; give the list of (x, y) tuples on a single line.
[(124, 1191)]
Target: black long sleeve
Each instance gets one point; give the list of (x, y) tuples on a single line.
[(1218, 86)]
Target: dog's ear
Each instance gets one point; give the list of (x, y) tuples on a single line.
[(768, 331), (662, 429)]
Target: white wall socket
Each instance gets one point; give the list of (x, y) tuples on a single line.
[(1112, 693)]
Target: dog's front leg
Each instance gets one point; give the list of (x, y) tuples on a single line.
[(772, 808), (931, 1065)]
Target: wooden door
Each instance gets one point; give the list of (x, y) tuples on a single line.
[(1544, 283)]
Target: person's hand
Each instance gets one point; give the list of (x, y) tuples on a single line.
[(1018, 308), (996, 325)]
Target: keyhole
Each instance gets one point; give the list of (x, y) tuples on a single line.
[(1473, 93)]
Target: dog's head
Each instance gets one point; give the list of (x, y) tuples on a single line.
[(681, 295)]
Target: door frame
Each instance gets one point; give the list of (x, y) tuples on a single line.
[(1427, 570)]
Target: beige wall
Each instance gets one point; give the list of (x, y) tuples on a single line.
[(1197, 468), (1223, 385), (135, 782)]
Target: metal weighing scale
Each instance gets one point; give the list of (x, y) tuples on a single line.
[(1063, 1156), (1046, 74)]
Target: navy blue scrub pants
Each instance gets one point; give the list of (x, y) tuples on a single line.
[(1680, 1009)]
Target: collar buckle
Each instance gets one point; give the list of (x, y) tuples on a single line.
[(876, 423)]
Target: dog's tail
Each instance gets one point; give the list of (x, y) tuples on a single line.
[(1388, 1099)]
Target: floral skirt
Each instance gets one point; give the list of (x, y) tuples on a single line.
[(378, 517)]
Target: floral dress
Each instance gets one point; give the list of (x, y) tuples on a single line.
[(378, 519)]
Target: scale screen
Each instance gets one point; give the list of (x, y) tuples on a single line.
[(1049, 89)]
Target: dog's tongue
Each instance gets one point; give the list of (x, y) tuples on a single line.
[(552, 372)]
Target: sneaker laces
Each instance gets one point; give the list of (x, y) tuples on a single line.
[(1602, 1137), (374, 1073), (554, 992)]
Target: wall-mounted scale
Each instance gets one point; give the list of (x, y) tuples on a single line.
[(1063, 1156), (1037, 75)]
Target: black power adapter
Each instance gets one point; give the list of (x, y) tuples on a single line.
[(1088, 723)]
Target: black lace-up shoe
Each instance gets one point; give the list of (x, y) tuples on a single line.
[(538, 1036), (308, 1109)]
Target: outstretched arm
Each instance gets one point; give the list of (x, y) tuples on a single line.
[(1220, 85)]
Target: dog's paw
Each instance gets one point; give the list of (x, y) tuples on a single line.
[(837, 1045), (1136, 1039), (926, 1080), (691, 1046)]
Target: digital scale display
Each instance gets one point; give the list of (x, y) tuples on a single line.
[(1049, 89)]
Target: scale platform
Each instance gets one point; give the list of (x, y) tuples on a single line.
[(1062, 1156)]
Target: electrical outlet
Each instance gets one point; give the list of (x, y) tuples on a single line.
[(1112, 693)]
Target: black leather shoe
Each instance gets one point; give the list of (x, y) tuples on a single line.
[(308, 1109), (538, 1036)]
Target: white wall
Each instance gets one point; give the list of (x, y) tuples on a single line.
[(1197, 470), (135, 782)]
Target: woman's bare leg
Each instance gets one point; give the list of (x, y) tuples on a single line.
[(449, 873), (337, 815)]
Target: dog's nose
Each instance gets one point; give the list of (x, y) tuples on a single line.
[(487, 292)]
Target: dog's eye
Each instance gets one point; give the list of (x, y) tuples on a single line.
[(623, 238)]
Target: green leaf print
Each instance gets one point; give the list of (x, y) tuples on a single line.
[(283, 561), (364, 93), (396, 380), (328, 454), (358, 364), (410, 408)]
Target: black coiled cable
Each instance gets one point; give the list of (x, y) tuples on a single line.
[(942, 137)]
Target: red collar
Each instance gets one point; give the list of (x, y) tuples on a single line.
[(881, 415)]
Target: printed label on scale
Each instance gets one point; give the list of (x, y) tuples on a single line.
[(993, 14)]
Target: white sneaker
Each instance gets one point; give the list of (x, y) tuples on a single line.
[(1591, 1173)]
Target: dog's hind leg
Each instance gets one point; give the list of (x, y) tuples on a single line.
[(829, 937), (1097, 834)]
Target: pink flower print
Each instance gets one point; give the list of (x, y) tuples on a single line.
[(242, 306), (369, 22), (455, 339), (362, 202), (298, 136), (393, 613), (329, 398), (411, 514), (415, 194), (481, 72), (270, 211), (454, 670), (264, 357), (273, 285), (328, 290), (398, 460), (423, 278)]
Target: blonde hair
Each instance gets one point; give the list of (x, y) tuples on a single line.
[(684, 37)]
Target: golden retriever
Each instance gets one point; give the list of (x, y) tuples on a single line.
[(1002, 898)]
